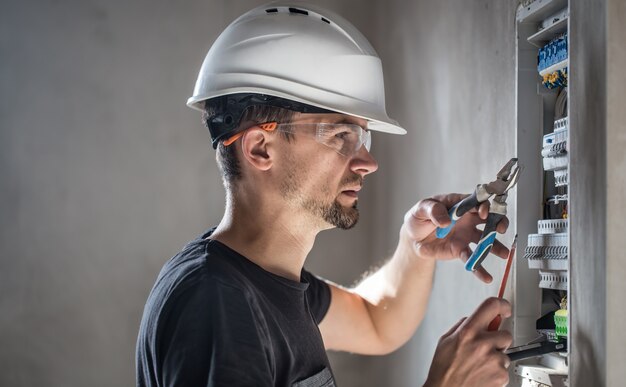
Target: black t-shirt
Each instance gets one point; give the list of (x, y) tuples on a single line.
[(214, 318)]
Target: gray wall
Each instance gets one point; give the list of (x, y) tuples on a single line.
[(616, 198), (450, 69), (106, 173), (588, 177), (598, 190)]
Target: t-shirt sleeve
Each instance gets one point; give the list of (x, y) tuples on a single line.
[(318, 295), (213, 339)]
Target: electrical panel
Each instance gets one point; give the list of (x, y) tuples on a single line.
[(543, 136)]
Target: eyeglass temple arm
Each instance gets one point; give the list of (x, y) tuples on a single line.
[(267, 126)]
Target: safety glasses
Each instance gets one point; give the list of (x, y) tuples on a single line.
[(346, 139)]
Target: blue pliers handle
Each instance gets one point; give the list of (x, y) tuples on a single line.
[(488, 237), (486, 242), (456, 212)]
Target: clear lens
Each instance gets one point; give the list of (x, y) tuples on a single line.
[(345, 139)]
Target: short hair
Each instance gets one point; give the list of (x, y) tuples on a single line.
[(226, 157)]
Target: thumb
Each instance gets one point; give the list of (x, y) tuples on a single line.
[(439, 215), (432, 210)]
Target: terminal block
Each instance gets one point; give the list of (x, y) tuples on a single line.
[(547, 251), (560, 323), (553, 279), (552, 226)]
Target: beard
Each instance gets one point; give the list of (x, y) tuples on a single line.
[(331, 212), (340, 216)]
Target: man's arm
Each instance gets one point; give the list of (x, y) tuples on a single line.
[(382, 312)]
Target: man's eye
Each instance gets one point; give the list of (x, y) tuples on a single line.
[(342, 135)]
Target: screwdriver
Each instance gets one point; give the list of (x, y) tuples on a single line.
[(495, 323)]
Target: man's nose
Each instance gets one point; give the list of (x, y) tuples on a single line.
[(363, 162)]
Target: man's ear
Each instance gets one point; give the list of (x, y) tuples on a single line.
[(255, 148)]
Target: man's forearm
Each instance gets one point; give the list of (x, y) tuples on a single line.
[(397, 294)]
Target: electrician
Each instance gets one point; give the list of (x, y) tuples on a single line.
[(290, 96)]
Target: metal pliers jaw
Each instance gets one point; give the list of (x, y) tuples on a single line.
[(505, 180)]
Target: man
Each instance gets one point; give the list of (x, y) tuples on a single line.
[(290, 94)]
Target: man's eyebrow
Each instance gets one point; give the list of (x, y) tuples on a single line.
[(344, 120), (353, 122)]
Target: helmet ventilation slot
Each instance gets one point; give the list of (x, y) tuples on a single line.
[(297, 10)]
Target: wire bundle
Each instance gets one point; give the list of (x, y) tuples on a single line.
[(555, 79)]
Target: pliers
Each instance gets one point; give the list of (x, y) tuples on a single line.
[(506, 179)]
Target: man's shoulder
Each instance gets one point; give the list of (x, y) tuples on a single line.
[(200, 277), (198, 303), (204, 261)]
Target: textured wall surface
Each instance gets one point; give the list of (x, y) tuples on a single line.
[(588, 178), (616, 199), (106, 173), (450, 69)]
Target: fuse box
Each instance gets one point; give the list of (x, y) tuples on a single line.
[(542, 272)]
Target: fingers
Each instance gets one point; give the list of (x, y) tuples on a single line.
[(423, 218), (486, 312), (438, 214), (421, 221), (501, 340), (483, 213), (503, 225), (468, 354), (436, 210), (500, 250), (483, 275), (483, 210), (454, 328), (430, 209), (449, 200), (476, 219), (480, 273), (506, 362)]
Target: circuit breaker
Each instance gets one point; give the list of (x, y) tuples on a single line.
[(543, 143)]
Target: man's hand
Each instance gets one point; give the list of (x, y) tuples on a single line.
[(470, 355), (422, 220)]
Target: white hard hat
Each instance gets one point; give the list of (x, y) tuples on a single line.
[(299, 53)]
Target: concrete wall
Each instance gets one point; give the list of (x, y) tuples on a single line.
[(450, 69), (106, 173), (616, 198), (588, 184), (598, 192)]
